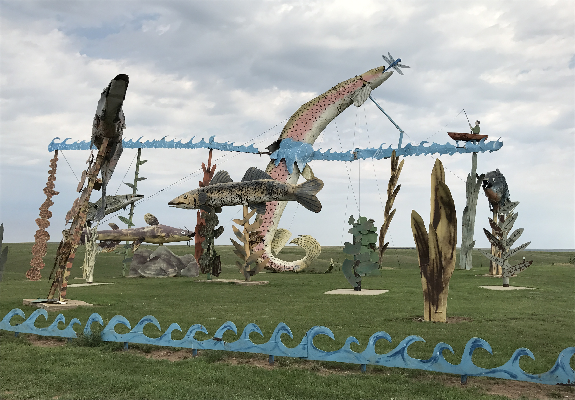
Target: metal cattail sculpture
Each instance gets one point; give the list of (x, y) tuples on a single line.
[(388, 214), (39, 249), (436, 249)]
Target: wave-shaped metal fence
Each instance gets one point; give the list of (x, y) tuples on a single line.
[(560, 374)]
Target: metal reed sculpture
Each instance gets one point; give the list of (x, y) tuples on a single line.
[(436, 250), (362, 249), (503, 243), (388, 214), (40, 247), (250, 237)]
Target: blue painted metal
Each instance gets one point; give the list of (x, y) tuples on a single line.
[(560, 373), (29, 327), (157, 144), (302, 153)]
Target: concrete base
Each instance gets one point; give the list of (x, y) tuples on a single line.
[(362, 292), (88, 284), (234, 281), (59, 306), (506, 288)]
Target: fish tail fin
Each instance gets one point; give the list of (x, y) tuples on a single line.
[(305, 194)]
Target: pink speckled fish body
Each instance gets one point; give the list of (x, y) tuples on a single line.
[(305, 125)]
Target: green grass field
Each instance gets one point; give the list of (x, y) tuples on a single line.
[(541, 320)]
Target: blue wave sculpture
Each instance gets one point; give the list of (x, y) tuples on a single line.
[(302, 153), (157, 144), (560, 373)]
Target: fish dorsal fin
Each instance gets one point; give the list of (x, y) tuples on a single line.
[(151, 219), (113, 226), (255, 174), (221, 177)]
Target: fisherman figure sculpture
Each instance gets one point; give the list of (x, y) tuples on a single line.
[(475, 129)]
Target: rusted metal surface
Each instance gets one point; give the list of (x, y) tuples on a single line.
[(388, 214), (40, 246), (436, 250)]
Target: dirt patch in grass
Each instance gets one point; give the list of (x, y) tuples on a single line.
[(450, 320), (510, 389), (46, 341)]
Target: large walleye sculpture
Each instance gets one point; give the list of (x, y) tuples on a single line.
[(302, 129)]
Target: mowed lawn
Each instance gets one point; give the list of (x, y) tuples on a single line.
[(541, 320)]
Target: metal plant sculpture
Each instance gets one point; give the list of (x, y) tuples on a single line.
[(436, 250), (40, 247), (201, 223), (250, 237), (92, 250), (388, 214), (362, 249), (209, 261), (503, 244), (3, 252), (472, 186), (126, 249)]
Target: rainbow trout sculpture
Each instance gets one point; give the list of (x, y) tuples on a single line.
[(300, 132)]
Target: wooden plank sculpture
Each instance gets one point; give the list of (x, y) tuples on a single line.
[(503, 244), (107, 132), (388, 214), (363, 251), (472, 186), (436, 250), (40, 247), (250, 237)]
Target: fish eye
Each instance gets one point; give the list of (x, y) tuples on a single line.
[(183, 232), (185, 196)]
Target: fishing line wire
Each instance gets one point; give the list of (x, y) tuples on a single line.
[(198, 171), (376, 180), (62, 152), (135, 155)]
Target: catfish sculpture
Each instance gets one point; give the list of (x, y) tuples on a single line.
[(305, 126), (112, 204), (256, 189), (154, 233)]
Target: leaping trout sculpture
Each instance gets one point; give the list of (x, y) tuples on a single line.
[(300, 132)]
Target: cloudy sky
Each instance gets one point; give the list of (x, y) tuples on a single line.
[(239, 69)]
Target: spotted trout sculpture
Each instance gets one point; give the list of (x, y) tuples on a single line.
[(302, 129)]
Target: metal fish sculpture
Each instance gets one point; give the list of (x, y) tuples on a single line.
[(495, 189), (157, 234), (112, 204), (109, 122), (255, 189), (305, 125)]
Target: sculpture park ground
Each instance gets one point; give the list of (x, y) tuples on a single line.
[(49, 368)]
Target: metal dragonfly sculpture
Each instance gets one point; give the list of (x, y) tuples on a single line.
[(395, 64)]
